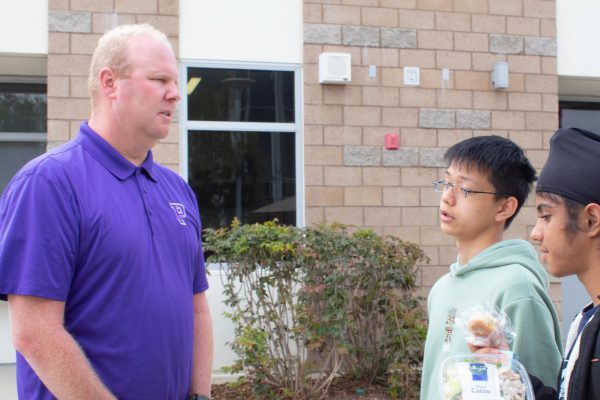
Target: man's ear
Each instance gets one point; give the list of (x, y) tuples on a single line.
[(108, 82), (591, 213), (508, 207)]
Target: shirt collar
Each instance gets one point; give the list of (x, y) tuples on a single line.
[(109, 157)]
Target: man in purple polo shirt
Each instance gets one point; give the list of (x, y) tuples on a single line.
[(100, 252)]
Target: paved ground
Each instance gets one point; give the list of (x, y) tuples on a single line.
[(8, 386)]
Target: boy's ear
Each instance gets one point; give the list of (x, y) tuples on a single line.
[(108, 81), (592, 219), (508, 207)]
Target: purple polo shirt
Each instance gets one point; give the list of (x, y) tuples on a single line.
[(120, 245)]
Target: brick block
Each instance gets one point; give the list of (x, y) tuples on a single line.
[(435, 40), (58, 4), (541, 120), (311, 74), (403, 4), (313, 94), (79, 87), (58, 86), (416, 137), (313, 13), (381, 176), (469, 80), (437, 5), (449, 137), (540, 46), (406, 233), (102, 22), (523, 26), (511, 120), (58, 130), (322, 155), (418, 177), (326, 115), (485, 61), (379, 57), (166, 23), (323, 196), (84, 43), (549, 102), (506, 44), (399, 38), (447, 254), (360, 36), (314, 215), (313, 135), (473, 119), (341, 94), (313, 176), (383, 216), (401, 117), (345, 135), (58, 43), (430, 197), (431, 236), (458, 22), (77, 65), (362, 155), (548, 28), (432, 157), (362, 196), (524, 64), (541, 84), (417, 19), (525, 101), (417, 58), (472, 6), (539, 9), (69, 21), (401, 196), (537, 157), (454, 99), (453, 60), (417, 97), (379, 16), (436, 118), (362, 116), (352, 216), (91, 5), (432, 79), (374, 135), (527, 140), (168, 7), (343, 176), (471, 41), (342, 15), (136, 6), (166, 153), (322, 34), (420, 216), (507, 7), (488, 23), (391, 77), (380, 96), (403, 157), (549, 65)]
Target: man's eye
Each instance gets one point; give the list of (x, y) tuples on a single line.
[(545, 217)]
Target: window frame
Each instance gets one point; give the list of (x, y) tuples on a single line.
[(25, 136), (296, 127)]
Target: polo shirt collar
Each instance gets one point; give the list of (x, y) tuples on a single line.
[(109, 157)]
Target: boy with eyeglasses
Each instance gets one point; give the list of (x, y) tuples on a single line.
[(486, 183)]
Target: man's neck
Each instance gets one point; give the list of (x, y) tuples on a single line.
[(119, 141), (469, 248), (590, 278)]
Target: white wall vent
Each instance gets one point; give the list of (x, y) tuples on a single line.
[(335, 68)]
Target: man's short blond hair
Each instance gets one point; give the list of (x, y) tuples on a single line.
[(113, 49)]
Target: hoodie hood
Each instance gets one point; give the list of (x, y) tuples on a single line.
[(501, 254)]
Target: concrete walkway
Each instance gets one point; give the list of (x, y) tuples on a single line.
[(8, 382)]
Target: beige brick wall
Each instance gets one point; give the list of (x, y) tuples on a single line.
[(70, 47), (467, 37)]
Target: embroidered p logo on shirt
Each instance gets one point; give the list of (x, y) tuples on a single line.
[(179, 212)]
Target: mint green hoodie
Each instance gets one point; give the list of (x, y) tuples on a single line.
[(509, 276)]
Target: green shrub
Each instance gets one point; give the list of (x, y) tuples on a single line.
[(312, 304)]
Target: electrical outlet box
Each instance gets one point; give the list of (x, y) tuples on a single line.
[(412, 76)]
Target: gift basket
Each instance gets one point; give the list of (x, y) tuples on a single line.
[(484, 376)]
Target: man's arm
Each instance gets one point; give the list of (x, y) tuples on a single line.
[(39, 335), (203, 346)]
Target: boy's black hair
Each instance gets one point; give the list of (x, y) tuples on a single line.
[(503, 161)]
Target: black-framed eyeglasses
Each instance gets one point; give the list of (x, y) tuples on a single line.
[(443, 185)]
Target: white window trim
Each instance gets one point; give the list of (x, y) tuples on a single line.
[(297, 126)]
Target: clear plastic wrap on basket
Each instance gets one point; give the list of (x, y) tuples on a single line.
[(484, 377), (485, 326)]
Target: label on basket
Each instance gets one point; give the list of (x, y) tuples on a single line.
[(479, 381)]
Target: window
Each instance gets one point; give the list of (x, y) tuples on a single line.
[(577, 114), (22, 125), (241, 147)]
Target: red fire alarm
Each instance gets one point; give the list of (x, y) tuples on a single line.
[(392, 141)]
